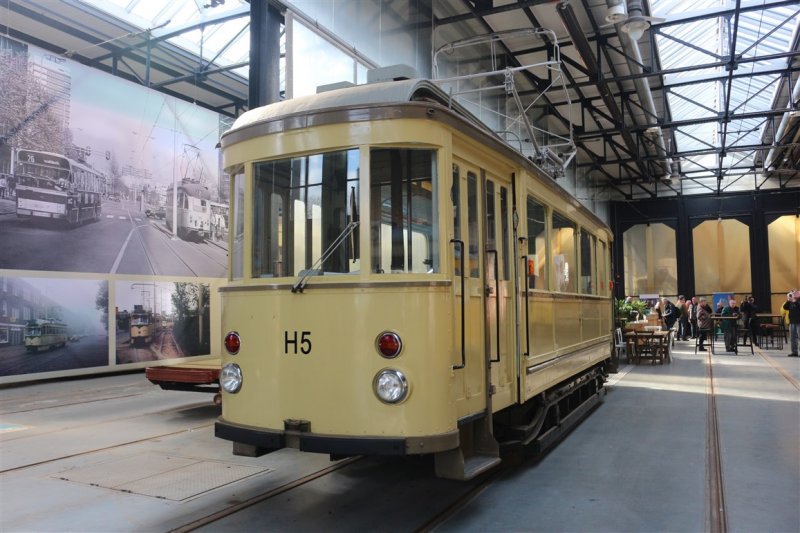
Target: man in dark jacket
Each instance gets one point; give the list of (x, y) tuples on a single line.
[(792, 305), (668, 313), (729, 326)]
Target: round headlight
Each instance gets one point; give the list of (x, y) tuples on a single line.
[(391, 386), (389, 344), (232, 342), (231, 378)]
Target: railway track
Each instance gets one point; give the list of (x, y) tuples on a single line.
[(717, 519)]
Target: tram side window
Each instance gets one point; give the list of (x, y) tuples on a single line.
[(455, 196), (404, 232), (472, 225), (303, 207), (237, 215), (602, 275), (537, 245), (587, 247), (564, 256)]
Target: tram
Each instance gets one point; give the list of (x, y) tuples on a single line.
[(403, 282), (45, 334), (52, 186), (142, 326), (193, 210)]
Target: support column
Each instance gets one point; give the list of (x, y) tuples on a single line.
[(265, 53)]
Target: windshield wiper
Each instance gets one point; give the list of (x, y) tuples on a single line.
[(300, 284)]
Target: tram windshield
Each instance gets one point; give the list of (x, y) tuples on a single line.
[(139, 320), (300, 206), (35, 331)]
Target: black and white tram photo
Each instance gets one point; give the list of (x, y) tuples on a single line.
[(403, 266)]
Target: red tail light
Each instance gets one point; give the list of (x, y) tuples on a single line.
[(232, 343), (389, 344)]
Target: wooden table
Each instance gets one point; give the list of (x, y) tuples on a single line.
[(662, 336)]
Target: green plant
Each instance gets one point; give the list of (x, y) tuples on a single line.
[(630, 310)]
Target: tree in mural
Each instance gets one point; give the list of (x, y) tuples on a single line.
[(191, 327), (101, 303)]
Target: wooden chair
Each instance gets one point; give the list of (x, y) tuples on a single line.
[(660, 348), (643, 345)]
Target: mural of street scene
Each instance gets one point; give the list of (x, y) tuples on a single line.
[(52, 324), (161, 320), (105, 175)]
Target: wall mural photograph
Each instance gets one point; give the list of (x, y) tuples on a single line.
[(161, 320), (52, 324), (100, 175)]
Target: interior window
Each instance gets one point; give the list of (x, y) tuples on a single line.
[(404, 231), (455, 195), (237, 214), (587, 286), (305, 215), (537, 244), (563, 249)]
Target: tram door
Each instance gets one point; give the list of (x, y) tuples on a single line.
[(498, 289), (481, 219), (469, 340)]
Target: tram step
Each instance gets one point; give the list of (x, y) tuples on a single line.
[(453, 465)]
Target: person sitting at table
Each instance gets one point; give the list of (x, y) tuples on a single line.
[(704, 322), (729, 326)]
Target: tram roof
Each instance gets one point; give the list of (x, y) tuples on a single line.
[(359, 95), (376, 94)]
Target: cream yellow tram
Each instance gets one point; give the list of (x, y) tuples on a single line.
[(403, 282)]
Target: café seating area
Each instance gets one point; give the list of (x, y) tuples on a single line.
[(647, 343)]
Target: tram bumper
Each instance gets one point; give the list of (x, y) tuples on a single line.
[(254, 442)]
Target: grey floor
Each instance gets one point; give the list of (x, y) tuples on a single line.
[(115, 453)]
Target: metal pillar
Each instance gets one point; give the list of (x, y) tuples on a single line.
[(265, 53)]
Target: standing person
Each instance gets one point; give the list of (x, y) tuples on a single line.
[(729, 326), (693, 307), (792, 306), (683, 318), (668, 313), (703, 321), (2, 186), (754, 322)]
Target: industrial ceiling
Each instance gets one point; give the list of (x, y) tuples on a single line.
[(667, 97)]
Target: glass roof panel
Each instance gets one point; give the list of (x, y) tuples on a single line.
[(761, 32), (214, 41)]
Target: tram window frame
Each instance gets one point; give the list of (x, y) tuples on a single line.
[(473, 225), (588, 284), (455, 197), (237, 210), (404, 196), (537, 244), (566, 282), (296, 219)]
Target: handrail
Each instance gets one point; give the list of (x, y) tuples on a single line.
[(496, 302), (463, 309), (527, 309)]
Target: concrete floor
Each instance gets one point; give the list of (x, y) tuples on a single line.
[(115, 453)]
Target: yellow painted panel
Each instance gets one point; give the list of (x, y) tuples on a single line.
[(784, 254), (722, 257), (650, 260), (331, 386)]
